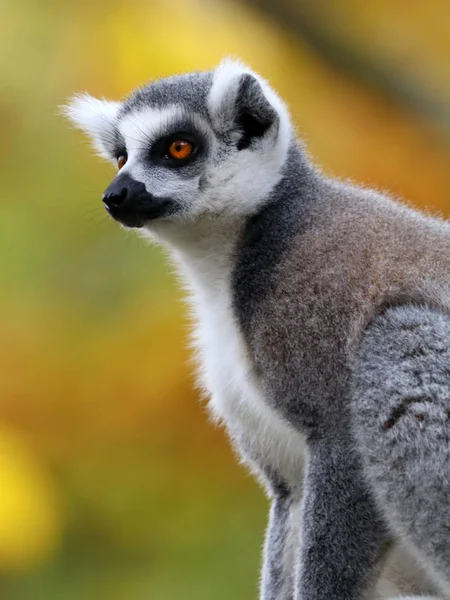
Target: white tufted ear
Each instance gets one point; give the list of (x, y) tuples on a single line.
[(242, 100), (98, 119)]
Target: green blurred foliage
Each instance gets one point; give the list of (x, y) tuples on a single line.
[(114, 484)]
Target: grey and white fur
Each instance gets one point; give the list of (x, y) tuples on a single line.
[(322, 326)]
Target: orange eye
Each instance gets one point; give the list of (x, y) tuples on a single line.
[(180, 149), (121, 161)]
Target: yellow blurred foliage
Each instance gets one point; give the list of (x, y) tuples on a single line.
[(30, 526)]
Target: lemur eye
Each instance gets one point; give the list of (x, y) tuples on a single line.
[(176, 150), (180, 149), (121, 161)]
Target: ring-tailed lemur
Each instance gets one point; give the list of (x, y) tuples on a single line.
[(322, 324)]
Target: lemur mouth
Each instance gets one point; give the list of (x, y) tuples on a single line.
[(129, 203)]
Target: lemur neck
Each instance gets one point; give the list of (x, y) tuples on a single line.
[(207, 250), (205, 255)]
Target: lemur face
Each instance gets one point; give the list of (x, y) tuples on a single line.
[(190, 146)]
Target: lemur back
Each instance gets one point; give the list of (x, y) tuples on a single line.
[(328, 265), (295, 282)]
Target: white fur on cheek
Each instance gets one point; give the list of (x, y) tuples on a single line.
[(97, 118), (239, 185)]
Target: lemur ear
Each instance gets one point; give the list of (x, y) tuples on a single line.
[(98, 119), (242, 104)]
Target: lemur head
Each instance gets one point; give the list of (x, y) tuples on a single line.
[(209, 144)]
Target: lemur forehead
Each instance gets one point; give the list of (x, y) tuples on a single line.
[(140, 128), (188, 90)]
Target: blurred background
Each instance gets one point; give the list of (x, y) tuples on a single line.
[(113, 485)]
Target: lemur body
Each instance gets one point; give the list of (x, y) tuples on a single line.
[(310, 297)]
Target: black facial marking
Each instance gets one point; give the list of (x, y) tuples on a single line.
[(129, 203), (120, 151), (159, 152)]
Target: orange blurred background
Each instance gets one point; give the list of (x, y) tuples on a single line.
[(113, 485)]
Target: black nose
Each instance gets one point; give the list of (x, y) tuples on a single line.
[(123, 188)]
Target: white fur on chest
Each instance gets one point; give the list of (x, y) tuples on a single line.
[(264, 440), (261, 436)]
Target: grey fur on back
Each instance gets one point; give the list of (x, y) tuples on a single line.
[(342, 258), (352, 257), (404, 360)]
